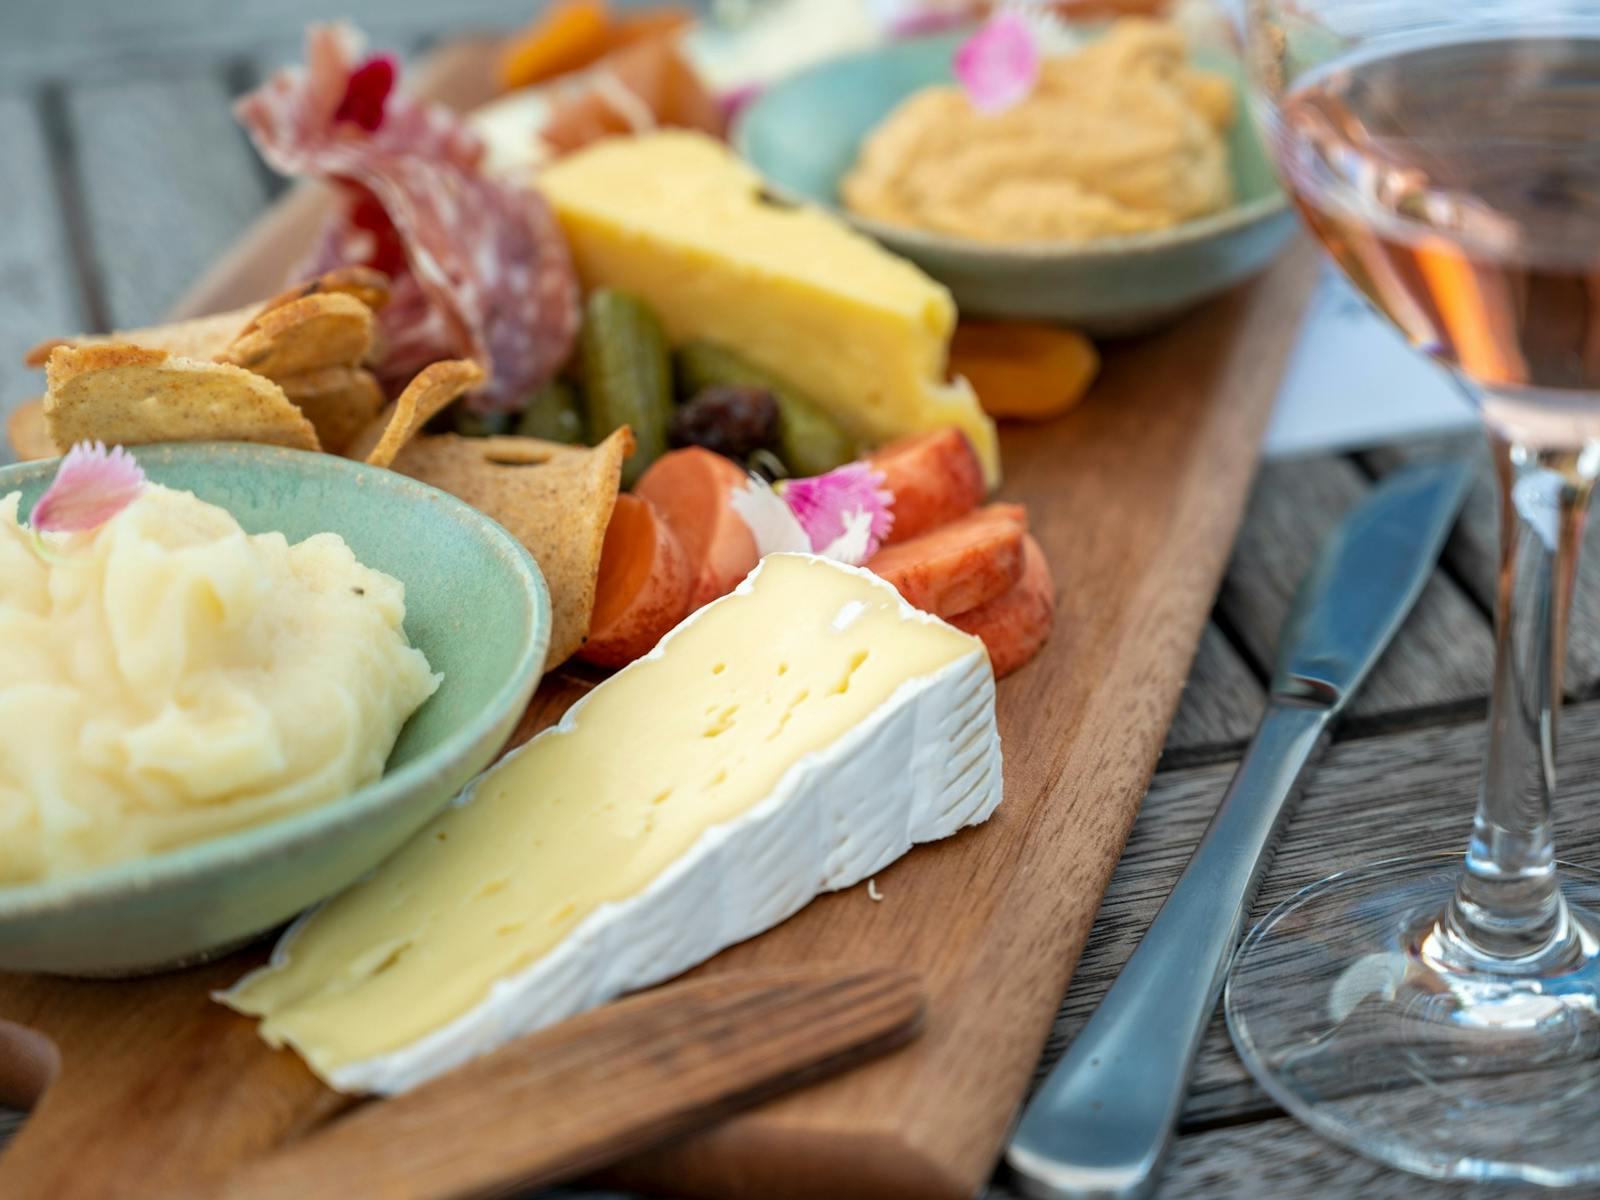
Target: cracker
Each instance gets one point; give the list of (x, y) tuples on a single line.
[(365, 284), (30, 436), (132, 396), (425, 397), (203, 337), (212, 336), (555, 499), (328, 329), (338, 401)]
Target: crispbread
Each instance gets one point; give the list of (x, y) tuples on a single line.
[(128, 395), (327, 329), (202, 337), (555, 499), (425, 396), (339, 401)]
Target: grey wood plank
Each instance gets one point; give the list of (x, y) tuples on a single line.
[(169, 181), (1221, 703), (1281, 1160), (38, 297), (1369, 799), (1474, 549), (1438, 663), (51, 39)]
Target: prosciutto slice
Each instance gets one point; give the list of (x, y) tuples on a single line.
[(478, 265)]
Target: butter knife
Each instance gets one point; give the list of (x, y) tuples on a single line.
[(1100, 1126)]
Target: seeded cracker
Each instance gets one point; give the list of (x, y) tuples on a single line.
[(132, 396)]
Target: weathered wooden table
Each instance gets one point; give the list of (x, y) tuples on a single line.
[(125, 176)]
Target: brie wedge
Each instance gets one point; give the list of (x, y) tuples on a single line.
[(791, 738)]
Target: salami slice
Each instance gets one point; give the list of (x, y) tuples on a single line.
[(479, 267)]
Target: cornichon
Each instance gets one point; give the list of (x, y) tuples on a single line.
[(627, 375), (554, 413), (809, 442)]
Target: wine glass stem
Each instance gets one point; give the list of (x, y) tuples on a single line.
[(1508, 914)]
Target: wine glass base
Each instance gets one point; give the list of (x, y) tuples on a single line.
[(1359, 1035)]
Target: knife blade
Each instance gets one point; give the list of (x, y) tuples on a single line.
[(1100, 1125)]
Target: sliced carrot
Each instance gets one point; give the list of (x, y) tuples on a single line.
[(1024, 370), (934, 477), (643, 587), (570, 35), (693, 490), (1015, 623), (958, 566)]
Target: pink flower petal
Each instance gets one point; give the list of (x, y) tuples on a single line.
[(846, 513), (998, 66), (91, 486)]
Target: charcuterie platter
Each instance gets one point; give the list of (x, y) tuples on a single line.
[(787, 558)]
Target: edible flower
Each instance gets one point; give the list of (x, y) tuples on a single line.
[(367, 92), (91, 486), (998, 66), (771, 522), (846, 513)]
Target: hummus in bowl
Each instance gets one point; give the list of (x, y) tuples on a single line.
[(1124, 136), (1106, 259)]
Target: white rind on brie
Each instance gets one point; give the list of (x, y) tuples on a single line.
[(925, 763)]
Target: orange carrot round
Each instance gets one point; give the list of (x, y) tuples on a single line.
[(643, 586), (692, 490), (935, 478), (1016, 623), (957, 566)]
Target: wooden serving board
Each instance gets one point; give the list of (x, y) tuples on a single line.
[(1135, 497)]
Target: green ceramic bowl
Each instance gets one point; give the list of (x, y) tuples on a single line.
[(804, 134), (476, 605)]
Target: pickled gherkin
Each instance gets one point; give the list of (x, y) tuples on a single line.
[(554, 413), (627, 375)]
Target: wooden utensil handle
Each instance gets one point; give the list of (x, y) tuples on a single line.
[(574, 1097), (28, 1062)]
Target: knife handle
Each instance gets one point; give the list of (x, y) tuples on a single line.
[(1100, 1125)]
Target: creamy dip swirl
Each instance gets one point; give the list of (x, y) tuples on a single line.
[(1121, 137), (167, 678)]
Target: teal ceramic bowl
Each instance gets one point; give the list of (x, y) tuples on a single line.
[(476, 605), (805, 133)]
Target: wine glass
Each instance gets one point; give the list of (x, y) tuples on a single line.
[(1442, 1012)]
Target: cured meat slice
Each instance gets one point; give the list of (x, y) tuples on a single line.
[(479, 265)]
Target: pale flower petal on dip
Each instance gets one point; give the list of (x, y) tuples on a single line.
[(998, 66), (91, 486)]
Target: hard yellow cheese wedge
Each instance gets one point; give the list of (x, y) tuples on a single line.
[(677, 219), (791, 738)]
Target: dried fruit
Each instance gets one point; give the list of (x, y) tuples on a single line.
[(732, 419)]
